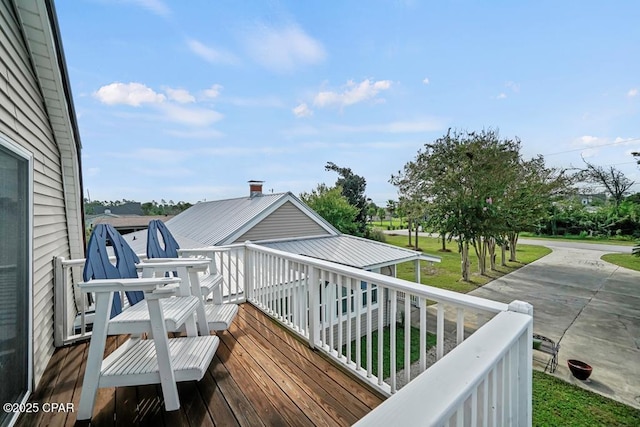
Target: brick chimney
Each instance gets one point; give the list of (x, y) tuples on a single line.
[(255, 188)]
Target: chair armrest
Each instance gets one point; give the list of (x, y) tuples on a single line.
[(170, 264), (117, 285), (202, 251)]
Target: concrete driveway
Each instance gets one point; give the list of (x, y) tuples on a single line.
[(590, 306)]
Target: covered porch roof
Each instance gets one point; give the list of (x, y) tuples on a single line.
[(349, 250)]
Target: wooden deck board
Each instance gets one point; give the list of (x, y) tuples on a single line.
[(312, 382), (261, 375)]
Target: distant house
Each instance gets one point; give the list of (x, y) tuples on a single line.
[(591, 199), (40, 190), (129, 208), (125, 223)]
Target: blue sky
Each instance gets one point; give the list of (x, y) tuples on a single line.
[(188, 100)]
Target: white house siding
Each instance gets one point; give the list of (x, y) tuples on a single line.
[(24, 120), (285, 221)]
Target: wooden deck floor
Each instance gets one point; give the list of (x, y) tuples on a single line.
[(261, 375)]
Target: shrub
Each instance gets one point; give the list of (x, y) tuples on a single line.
[(377, 235)]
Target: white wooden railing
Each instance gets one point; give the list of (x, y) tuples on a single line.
[(482, 350)]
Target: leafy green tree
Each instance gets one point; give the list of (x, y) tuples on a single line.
[(527, 200), (372, 210), (353, 187), (391, 209), (615, 183), (331, 205), (458, 182), (381, 213)]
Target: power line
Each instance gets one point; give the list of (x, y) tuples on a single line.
[(592, 146)]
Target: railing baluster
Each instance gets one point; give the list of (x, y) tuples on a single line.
[(440, 332), (485, 401), (289, 289), (422, 303), (407, 339), (315, 303), (369, 333), (380, 336), (305, 298), (350, 292), (474, 408), (323, 307), (358, 336), (393, 297), (331, 308), (341, 322), (459, 325)]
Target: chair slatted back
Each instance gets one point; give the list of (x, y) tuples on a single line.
[(160, 241), (98, 265)]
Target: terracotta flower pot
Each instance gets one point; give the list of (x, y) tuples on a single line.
[(579, 369)]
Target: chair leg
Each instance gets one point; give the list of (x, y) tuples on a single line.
[(201, 316), (161, 343), (94, 359)]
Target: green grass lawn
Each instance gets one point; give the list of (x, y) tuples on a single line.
[(558, 403), (446, 274), (623, 260), (415, 349)]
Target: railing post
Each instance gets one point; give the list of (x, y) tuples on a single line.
[(60, 305), (525, 367), (314, 306), (248, 271)]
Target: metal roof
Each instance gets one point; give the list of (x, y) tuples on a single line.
[(349, 250), (220, 222)]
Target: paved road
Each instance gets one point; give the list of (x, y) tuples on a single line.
[(590, 306), (578, 245)]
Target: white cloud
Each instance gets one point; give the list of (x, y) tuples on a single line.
[(213, 92), (589, 140), (180, 95), (302, 110), (632, 93), (210, 54), (134, 94), (172, 106), (426, 80), (352, 94), (501, 96), (156, 6), (284, 49), (193, 116), (625, 141)]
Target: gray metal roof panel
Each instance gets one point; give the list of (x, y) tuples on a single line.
[(210, 223), (347, 250)]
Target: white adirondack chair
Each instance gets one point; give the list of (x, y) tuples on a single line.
[(159, 304), (162, 246), (161, 360)]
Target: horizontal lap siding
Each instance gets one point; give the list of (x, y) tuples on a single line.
[(23, 120), (285, 221)]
